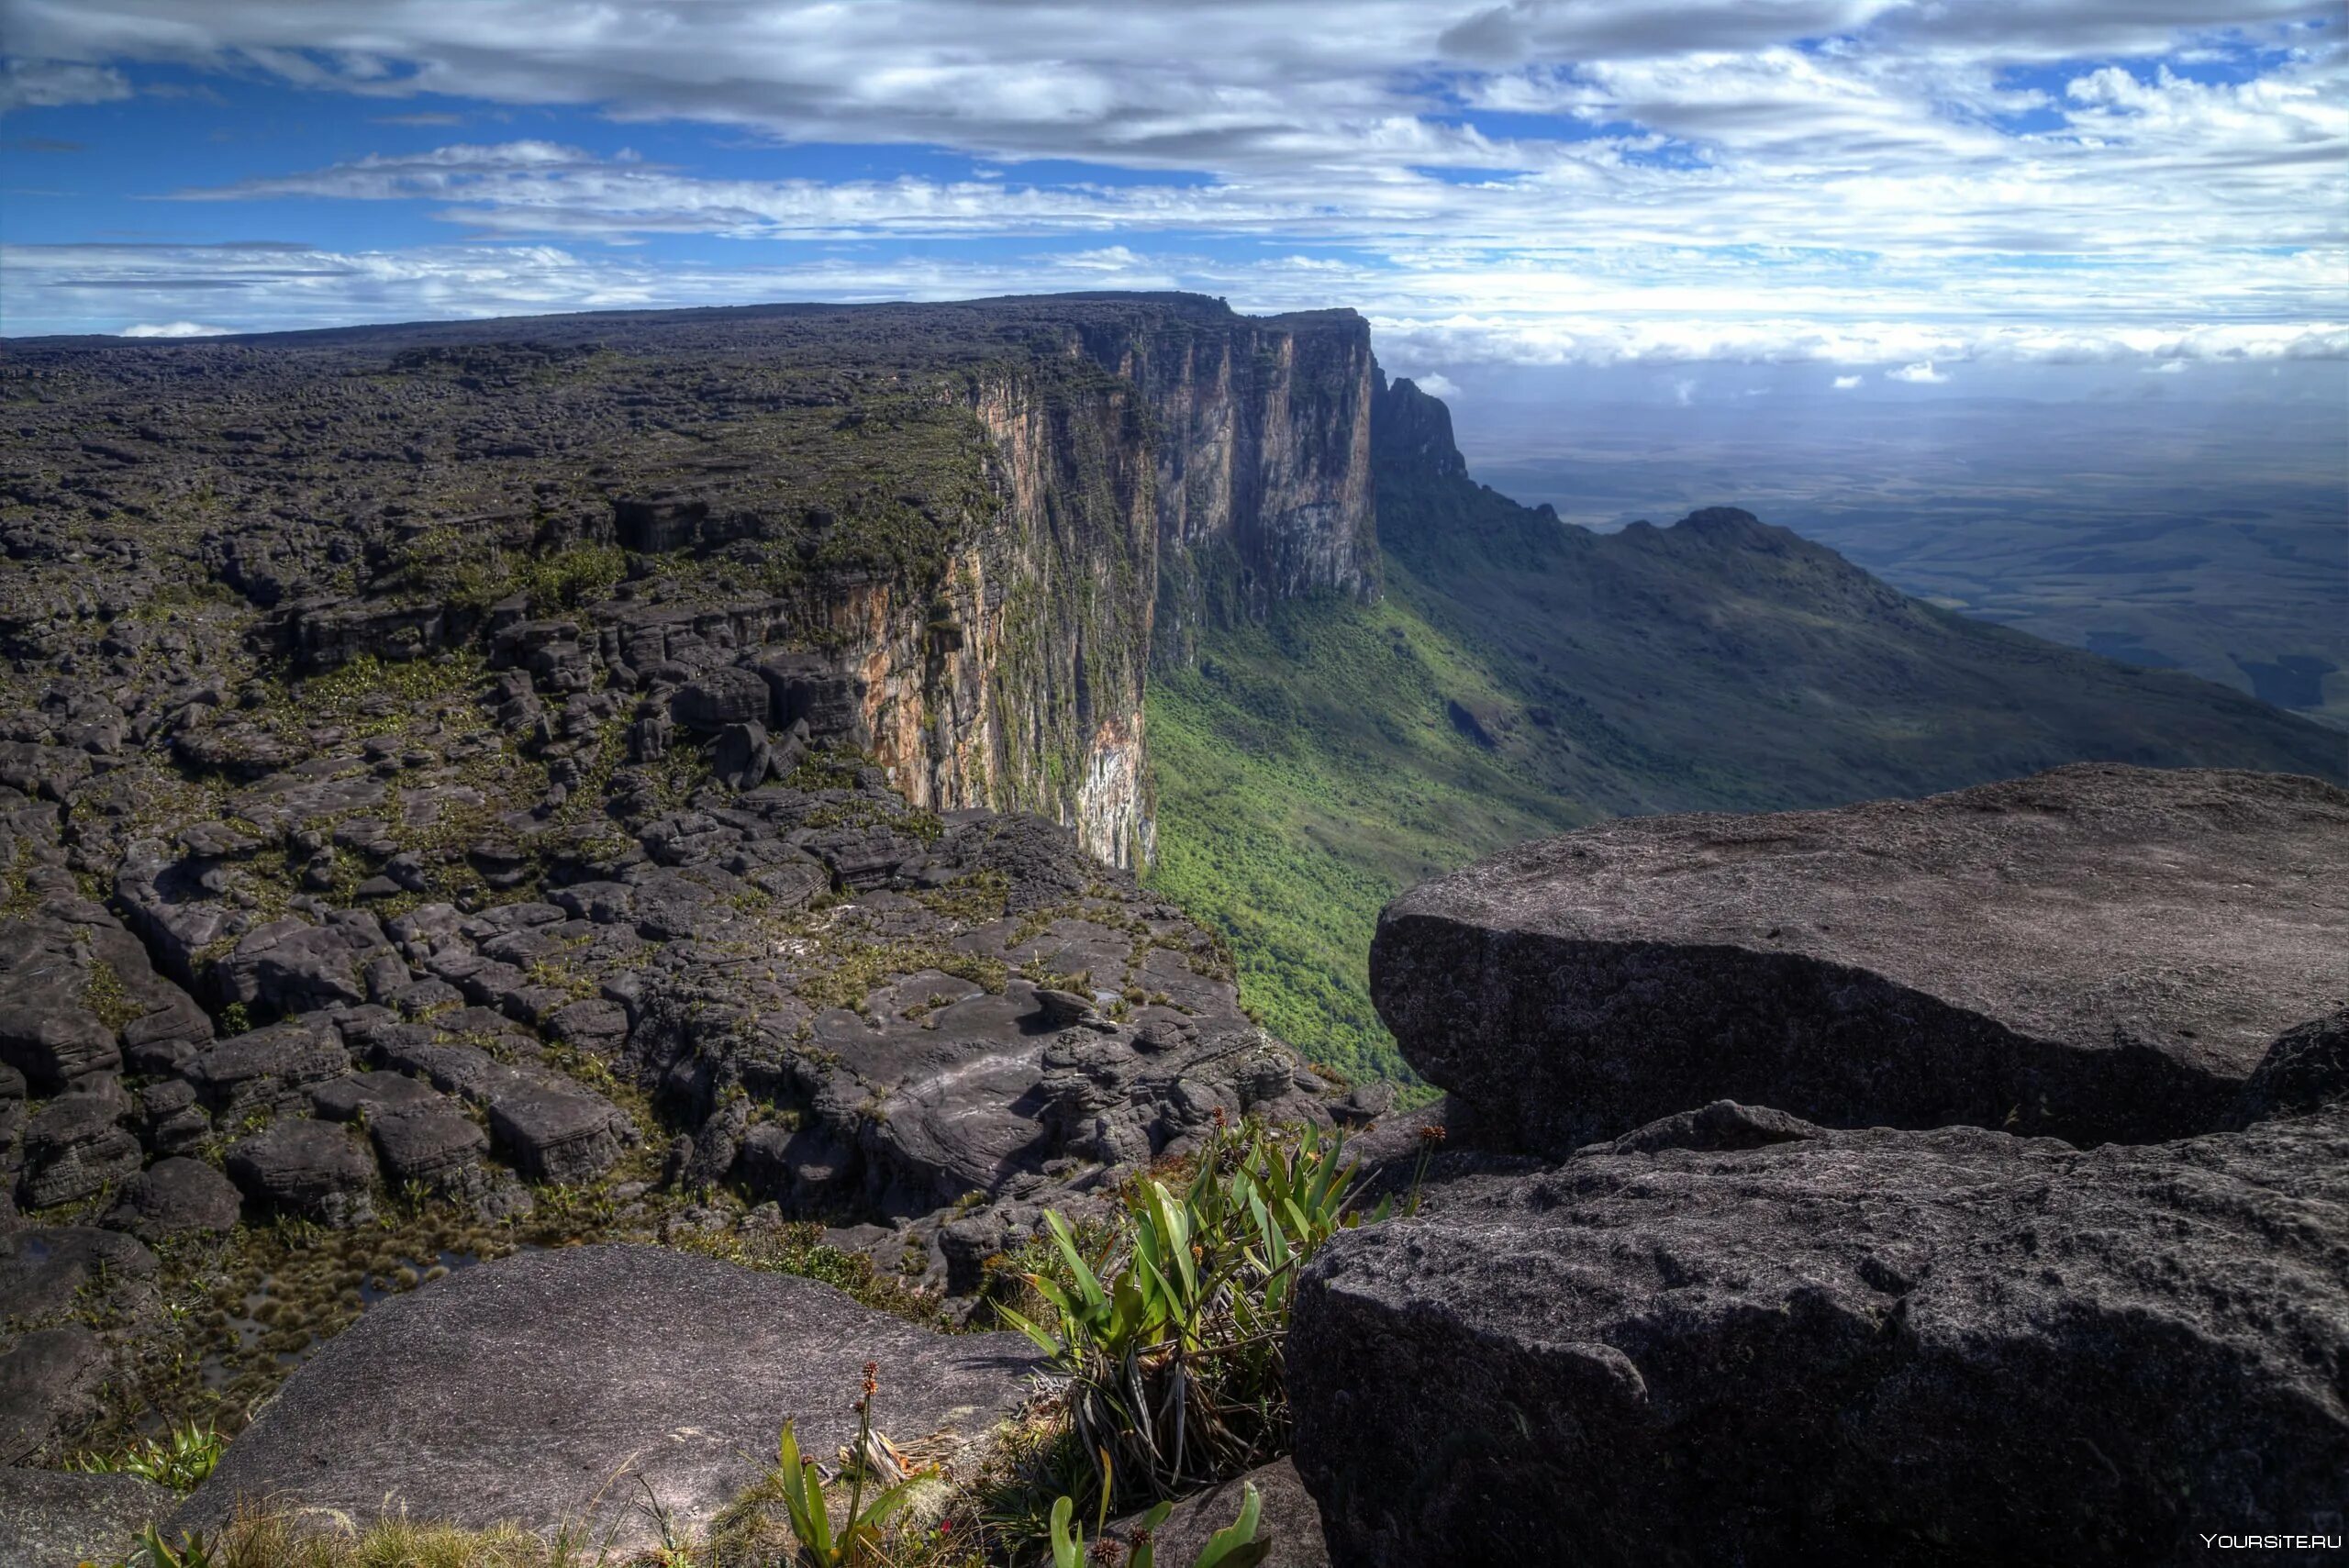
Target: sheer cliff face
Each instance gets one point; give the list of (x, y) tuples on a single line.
[(1261, 436), (1220, 464), (1054, 679)]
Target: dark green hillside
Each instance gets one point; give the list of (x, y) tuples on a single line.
[(1524, 676)]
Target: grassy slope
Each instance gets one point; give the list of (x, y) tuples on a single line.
[(1308, 771)]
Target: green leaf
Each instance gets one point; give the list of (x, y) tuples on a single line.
[(1066, 1552), (1236, 1536), (1048, 1343), (1088, 1286)]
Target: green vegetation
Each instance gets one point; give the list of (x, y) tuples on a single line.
[(1310, 769), (180, 1459), (858, 1539), (1172, 1335), (1234, 1546)]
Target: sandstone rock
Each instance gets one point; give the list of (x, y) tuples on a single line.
[(171, 1122), (722, 697), (291, 966), (527, 1383), (54, 1518), (54, 1046), (2096, 952), (2306, 1070), (371, 1094), (742, 756), (434, 1143), (76, 1146), (174, 1197), (313, 1168), (44, 1268), (1855, 1347), (267, 1069)]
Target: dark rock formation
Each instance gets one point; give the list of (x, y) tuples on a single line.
[(522, 1390), (311, 1168), (2096, 952), (176, 1196), (1853, 1347), (2306, 1070)]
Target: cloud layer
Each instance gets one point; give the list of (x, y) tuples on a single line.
[(1866, 182)]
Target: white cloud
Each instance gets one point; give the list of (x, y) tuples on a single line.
[(2168, 367), (1845, 383), (1713, 189), (52, 83), (1435, 384), (1921, 374), (173, 329), (1684, 391)]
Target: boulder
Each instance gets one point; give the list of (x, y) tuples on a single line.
[(1287, 1519), (371, 1095), (267, 1069), (314, 1168), (177, 1196), (76, 1146), (51, 1518), (46, 1270), (2306, 1070), (434, 1143), (54, 1046), (2096, 952), (742, 755), (723, 697), (529, 1389), (1851, 1347), (291, 966)]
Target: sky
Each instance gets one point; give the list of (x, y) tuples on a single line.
[(1877, 197)]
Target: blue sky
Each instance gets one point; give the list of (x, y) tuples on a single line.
[(1903, 194)]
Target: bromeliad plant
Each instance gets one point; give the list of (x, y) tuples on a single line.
[(858, 1540), (1173, 1341), (180, 1459)]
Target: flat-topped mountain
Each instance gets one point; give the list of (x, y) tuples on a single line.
[(474, 785)]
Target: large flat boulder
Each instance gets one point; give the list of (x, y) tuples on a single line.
[(2096, 952), (1935, 1347), (541, 1388)]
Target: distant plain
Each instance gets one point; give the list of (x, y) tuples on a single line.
[(2208, 536)]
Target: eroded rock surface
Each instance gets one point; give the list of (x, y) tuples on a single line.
[(2094, 953), (523, 1390), (51, 1518)]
